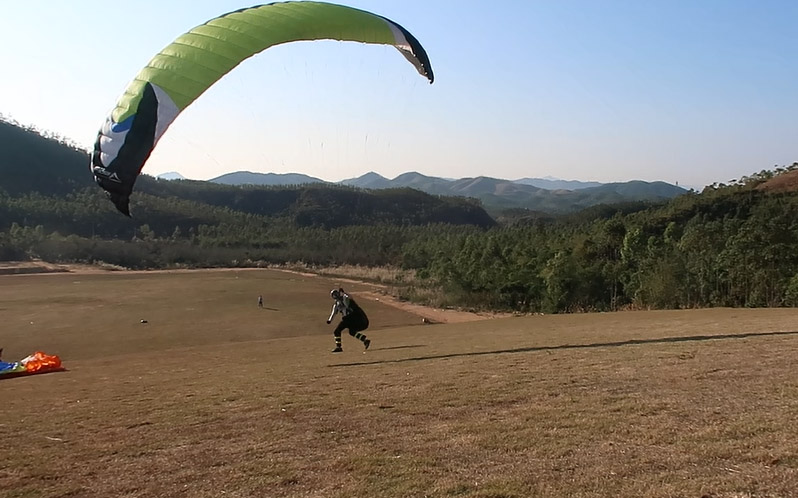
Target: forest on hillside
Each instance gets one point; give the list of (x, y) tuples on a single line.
[(730, 245)]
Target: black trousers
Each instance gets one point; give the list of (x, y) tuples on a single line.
[(355, 323)]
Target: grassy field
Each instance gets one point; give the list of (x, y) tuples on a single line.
[(215, 397)]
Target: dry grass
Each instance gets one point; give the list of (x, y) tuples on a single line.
[(785, 182), (228, 400), (386, 275), (394, 282)]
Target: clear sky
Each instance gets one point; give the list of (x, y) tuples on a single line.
[(687, 91)]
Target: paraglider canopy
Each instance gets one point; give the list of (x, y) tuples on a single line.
[(184, 69)]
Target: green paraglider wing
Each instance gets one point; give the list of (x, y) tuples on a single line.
[(183, 70)]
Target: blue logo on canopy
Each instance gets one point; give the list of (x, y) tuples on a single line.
[(123, 126)]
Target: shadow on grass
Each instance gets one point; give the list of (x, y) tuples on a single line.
[(16, 375), (409, 346), (630, 342)]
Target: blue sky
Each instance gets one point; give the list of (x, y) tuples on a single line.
[(693, 92)]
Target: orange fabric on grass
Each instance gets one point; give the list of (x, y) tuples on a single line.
[(41, 362)]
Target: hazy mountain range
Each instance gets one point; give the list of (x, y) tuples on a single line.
[(371, 180), (171, 175), (31, 162), (539, 194), (551, 183)]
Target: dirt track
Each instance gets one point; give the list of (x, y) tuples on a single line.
[(426, 313)]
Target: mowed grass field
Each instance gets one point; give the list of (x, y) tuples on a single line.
[(215, 397)]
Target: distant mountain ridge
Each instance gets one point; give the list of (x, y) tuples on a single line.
[(549, 183), (171, 175), (67, 197), (271, 179), (28, 158), (539, 194)]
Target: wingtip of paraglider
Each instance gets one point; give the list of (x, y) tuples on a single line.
[(122, 203)]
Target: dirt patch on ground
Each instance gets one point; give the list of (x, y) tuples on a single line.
[(427, 314), (785, 182)]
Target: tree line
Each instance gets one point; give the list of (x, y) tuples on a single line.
[(730, 245)]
